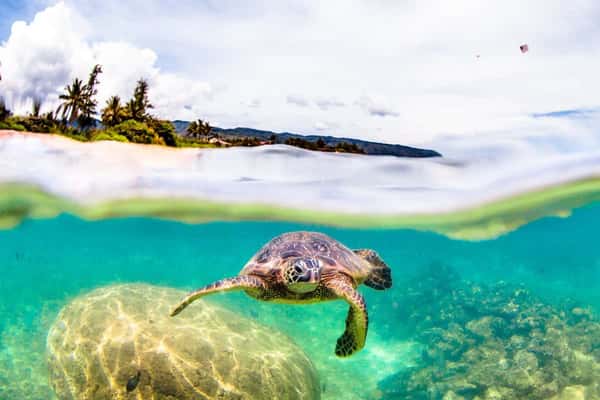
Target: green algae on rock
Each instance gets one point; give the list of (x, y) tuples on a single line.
[(495, 342), (118, 342), (19, 201)]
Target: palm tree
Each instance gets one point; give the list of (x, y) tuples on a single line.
[(137, 107), (192, 130), (36, 108), (88, 109), (79, 103), (49, 116), (113, 112), (206, 128), (93, 80), (74, 100), (132, 111), (198, 129), (141, 94), (4, 111)]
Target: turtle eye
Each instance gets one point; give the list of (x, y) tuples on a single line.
[(298, 272)]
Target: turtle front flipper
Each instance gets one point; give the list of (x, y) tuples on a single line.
[(242, 282), (357, 321)]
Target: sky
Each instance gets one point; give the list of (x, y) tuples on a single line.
[(427, 72)]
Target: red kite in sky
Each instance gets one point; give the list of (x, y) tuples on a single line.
[(524, 48)]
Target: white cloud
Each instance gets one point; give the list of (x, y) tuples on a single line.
[(171, 93), (254, 103), (414, 60), (327, 103), (41, 57), (297, 100), (376, 108), (325, 126)]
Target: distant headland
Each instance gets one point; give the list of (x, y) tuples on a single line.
[(310, 142)]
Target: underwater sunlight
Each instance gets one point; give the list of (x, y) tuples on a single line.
[(514, 317)]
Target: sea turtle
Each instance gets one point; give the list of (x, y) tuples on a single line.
[(308, 267)]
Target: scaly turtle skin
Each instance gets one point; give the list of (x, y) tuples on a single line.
[(308, 267)]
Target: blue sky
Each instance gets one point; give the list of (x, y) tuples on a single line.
[(577, 113), (11, 11), (404, 72)]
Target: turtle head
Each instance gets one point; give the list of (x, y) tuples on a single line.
[(301, 275)]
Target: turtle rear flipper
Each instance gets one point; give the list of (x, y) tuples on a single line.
[(357, 322), (241, 282), (380, 277)]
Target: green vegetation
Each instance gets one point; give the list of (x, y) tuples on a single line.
[(114, 113), (4, 111), (136, 132), (199, 129), (34, 122), (129, 122), (320, 145), (79, 102), (110, 135), (245, 141), (6, 120), (137, 108), (165, 132), (73, 101), (11, 123)]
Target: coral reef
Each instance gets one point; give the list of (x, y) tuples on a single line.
[(495, 342), (118, 342)]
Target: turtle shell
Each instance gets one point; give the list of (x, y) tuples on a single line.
[(331, 254)]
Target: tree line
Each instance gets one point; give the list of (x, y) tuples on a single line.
[(320, 145), (131, 121)]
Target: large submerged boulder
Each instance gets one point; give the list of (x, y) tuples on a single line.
[(118, 342)]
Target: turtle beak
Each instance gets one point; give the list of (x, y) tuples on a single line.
[(314, 275)]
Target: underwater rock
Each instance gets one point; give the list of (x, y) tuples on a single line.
[(576, 392), (495, 342), (118, 342), (484, 327)]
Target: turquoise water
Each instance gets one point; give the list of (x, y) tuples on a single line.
[(46, 263)]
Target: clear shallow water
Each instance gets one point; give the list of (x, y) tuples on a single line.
[(45, 263)]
